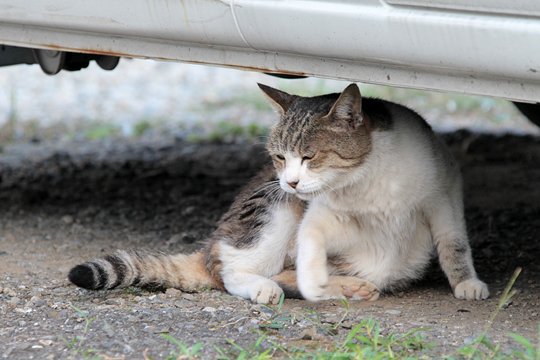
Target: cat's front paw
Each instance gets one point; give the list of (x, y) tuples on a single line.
[(265, 292), (471, 289)]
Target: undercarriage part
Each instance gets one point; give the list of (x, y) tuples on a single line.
[(531, 111), (11, 55), (50, 61), (53, 61), (287, 76)]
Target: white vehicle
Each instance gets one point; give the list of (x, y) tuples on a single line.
[(484, 47)]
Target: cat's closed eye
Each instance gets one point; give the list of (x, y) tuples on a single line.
[(279, 157), (308, 157)]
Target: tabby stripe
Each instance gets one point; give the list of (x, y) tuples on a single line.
[(260, 193), (250, 211), (101, 278), (119, 268)]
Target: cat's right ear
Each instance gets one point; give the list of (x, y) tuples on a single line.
[(280, 100)]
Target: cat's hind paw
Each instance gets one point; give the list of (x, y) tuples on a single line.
[(471, 289), (356, 289), (265, 292)]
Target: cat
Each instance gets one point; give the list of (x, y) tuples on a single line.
[(359, 196)]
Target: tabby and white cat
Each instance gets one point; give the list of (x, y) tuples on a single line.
[(360, 195)]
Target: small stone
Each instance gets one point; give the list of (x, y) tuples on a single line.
[(39, 303), (331, 319), (189, 297), (23, 311), (209, 309), (393, 312), (9, 292), (114, 301), (173, 293), (67, 219), (53, 314), (14, 300), (46, 342), (309, 334)]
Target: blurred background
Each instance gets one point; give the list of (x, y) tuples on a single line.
[(145, 98)]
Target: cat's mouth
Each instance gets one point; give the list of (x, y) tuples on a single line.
[(305, 195)]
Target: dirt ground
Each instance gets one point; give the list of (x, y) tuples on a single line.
[(64, 203)]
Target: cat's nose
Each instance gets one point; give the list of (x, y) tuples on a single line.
[(293, 184)]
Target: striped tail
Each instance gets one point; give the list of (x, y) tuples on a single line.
[(123, 268)]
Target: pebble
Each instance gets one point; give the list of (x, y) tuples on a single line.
[(189, 297), (67, 219), (14, 300), (46, 342), (173, 292), (309, 334), (209, 309), (114, 301), (393, 312), (9, 292)]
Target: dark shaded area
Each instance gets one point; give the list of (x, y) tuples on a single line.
[(176, 187)]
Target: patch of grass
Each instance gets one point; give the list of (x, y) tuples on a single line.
[(100, 131), (227, 132), (182, 350), (255, 351), (77, 343), (8, 130), (141, 127), (370, 340), (484, 348), (364, 341)]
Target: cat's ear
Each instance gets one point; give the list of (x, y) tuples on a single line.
[(348, 107), (280, 100)]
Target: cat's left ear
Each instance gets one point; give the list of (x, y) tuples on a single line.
[(348, 107), (280, 100)]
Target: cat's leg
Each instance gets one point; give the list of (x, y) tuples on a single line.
[(311, 261), (338, 287), (449, 235), (246, 270), (254, 287), (351, 287), (313, 277)]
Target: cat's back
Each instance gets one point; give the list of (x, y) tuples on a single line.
[(412, 154), (389, 116)]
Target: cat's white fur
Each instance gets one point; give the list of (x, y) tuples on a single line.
[(247, 271), (382, 217), (382, 220)]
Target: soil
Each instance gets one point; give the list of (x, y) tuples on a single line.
[(61, 204)]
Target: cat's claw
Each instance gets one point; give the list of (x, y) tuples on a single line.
[(471, 289), (266, 292)]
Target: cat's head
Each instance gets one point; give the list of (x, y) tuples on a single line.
[(318, 141)]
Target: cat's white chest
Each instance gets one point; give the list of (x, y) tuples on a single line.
[(375, 196)]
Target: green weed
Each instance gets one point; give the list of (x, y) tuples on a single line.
[(100, 131), (182, 350), (77, 343)]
